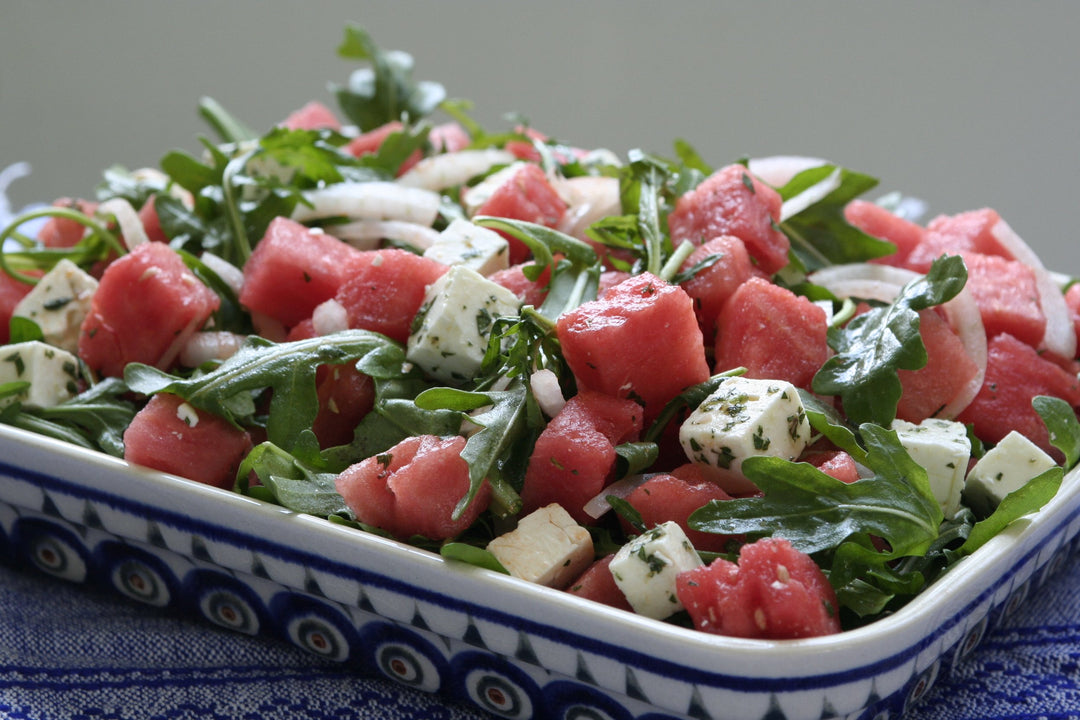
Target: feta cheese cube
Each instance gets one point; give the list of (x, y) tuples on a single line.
[(942, 447), (58, 304), (451, 331), (53, 373), (463, 243), (548, 547), (1004, 468), (742, 418), (646, 567)]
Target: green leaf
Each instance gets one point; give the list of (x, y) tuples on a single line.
[(95, 418), (228, 128), (876, 344), (634, 458), (816, 512), (1025, 500), (286, 368), (1061, 422), (291, 483), (23, 329), (463, 552), (819, 233)]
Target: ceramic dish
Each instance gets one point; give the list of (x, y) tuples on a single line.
[(506, 646)]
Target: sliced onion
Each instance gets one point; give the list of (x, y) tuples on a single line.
[(777, 170), (131, 227), (366, 234), (206, 346), (589, 198), (330, 317), (599, 504), (448, 170), (870, 281), (370, 201), (229, 273), (811, 195), (1060, 335), (545, 388)]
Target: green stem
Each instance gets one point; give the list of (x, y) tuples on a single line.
[(11, 231)]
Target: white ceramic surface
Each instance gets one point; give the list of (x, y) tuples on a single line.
[(506, 646)]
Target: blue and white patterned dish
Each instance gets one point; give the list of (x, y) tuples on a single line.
[(502, 645)]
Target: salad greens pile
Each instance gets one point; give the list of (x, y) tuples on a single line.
[(881, 540)]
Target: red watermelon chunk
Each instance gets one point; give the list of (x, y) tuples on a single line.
[(525, 195), (1016, 373), (293, 270), (879, 222), (1072, 301), (345, 395), (732, 202), (948, 370), (761, 317), (312, 116), (834, 463), (711, 287), (172, 436), (574, 457), (11, 292), (147, 305), (413, 488), (673, 497), (640, 341), (386, 289), (967, 232), (1008, 297), (774, 592), (598, 584), (59, 232), (530, 292)]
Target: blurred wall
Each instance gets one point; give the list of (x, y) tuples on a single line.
[(965, 104)]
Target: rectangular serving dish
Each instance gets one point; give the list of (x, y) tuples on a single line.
[(506, 646)]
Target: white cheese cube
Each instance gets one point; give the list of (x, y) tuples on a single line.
[(450, 333), (475, 247), (745, 417), (480, 193), (1004, 468), (548, 547), (941, 447), (646, 567), (53, 373), (58, 304)]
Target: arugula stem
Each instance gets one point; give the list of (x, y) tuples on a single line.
[(11, 231), (227, 127), (236, 221), (671, 267)]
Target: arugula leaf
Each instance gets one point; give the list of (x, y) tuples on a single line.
[(814, 220), (228, 128), (291, 483), (386, 91), (287, 368), (463, 552), (94, 419), (817, 512), (500, 426), (874, 345), (1025, 500), (1064, 428)]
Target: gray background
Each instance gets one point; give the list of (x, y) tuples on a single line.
[(965, 104)]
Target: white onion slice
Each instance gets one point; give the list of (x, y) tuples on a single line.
[(370, 201), (203, 347), (599, 504), (811, 195), (589, 198), (229, 273), (448, 170), (777, 170), (870, 281), (366, 234), (1060, 335), (131, 227), (545, 388)]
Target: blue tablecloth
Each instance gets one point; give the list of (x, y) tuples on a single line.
[(69, 652)]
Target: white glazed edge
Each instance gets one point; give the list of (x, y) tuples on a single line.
[(736, 657)]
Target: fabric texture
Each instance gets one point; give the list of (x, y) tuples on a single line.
[(70, 652)]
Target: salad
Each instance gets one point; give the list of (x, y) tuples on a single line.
[(744, 398)]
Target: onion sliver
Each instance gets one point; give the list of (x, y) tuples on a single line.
[(131, 227), (370, 201), (589, 198), (599, 504), (203, 347), (448, 170), (229, 273), (366, 234), (1060, 335), (330, 317), (545, 388), (870, 281), (777, 170)]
